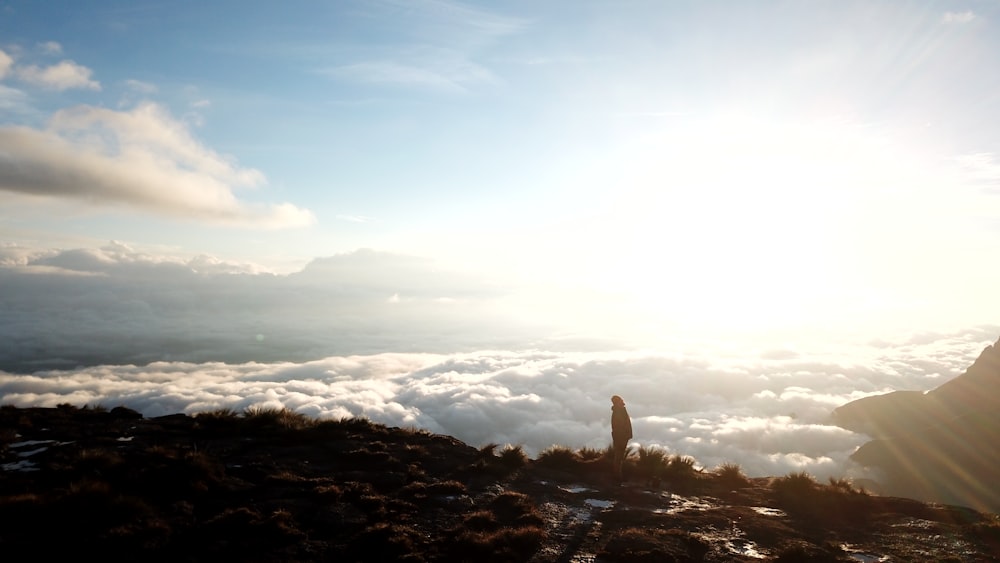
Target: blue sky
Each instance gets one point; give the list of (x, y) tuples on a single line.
[(669, 165)]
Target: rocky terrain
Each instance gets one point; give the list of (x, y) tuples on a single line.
[(268, 485), (938, 446)]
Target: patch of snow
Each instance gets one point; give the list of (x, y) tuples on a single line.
[(916, 523), (577, 489), (768, 511), (23, 465), (743, 547), (30, 453), (26, 443), (126, 438), (862, 556), (682, 504), (596, 503)]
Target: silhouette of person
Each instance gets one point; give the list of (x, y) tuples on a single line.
[(621, 433)]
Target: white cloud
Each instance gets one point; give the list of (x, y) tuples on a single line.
[(6, 63), (959, 17), (64, 75), (141, 158)]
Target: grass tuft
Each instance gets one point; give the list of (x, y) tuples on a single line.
[(274, 418), (731, 475), (560, 458), (513, 457)]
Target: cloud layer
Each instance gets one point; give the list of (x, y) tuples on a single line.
[(398, 340), (771, 417)]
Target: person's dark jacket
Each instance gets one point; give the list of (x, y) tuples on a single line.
[(621, 424)]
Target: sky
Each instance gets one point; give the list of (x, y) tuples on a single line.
[(402, 205)]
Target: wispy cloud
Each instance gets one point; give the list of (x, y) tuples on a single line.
[(959, 17), (437, 50), (453, 77), (64, 75), (981, 169), (140, 86), (50, 48), (452, 23), (141, 158)]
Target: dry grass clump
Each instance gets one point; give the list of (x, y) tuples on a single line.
[(386, 541), (731, 475), (651, 463), (803, 552), (421, 490), (507, 545), (97, 460), (447, 488), (515, 509), (794, 484), (846, 486), (513, 457), (167, 472), (249, 530), (371, 459), (681, 472), (652, 544), (560, 458), (269, 418), (330, 492), (510, 529), (588, 454), (218, 417), (800, 493), (797, 491)]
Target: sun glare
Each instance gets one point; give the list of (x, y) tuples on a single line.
[(743, 224)]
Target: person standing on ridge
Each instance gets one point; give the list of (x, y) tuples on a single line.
[(621, 433)]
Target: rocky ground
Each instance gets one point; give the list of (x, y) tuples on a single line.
[(276, 486)]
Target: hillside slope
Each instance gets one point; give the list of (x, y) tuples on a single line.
[(940, 446), (276, 486)]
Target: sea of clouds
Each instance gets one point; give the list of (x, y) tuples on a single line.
[(384, 337)]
